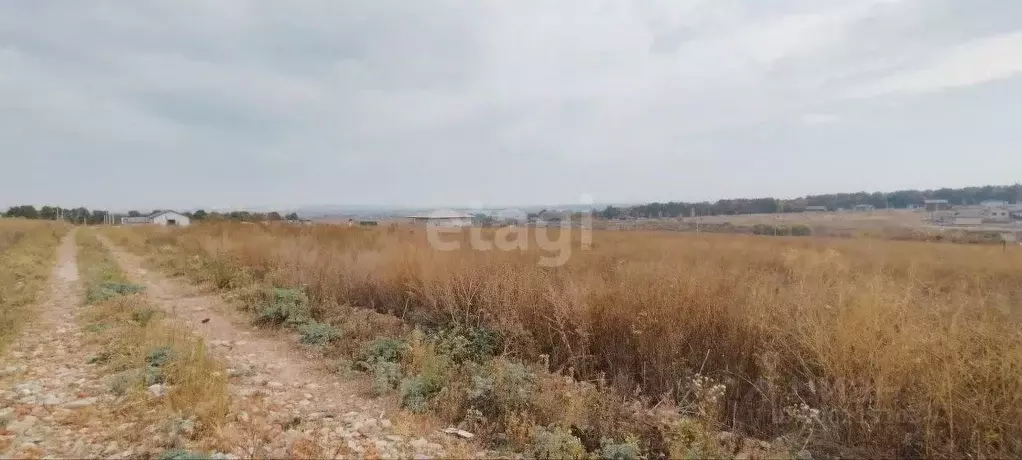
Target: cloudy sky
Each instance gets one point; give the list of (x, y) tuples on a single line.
[(219, 103)]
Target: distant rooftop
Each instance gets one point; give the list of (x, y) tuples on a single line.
[(445, 214)]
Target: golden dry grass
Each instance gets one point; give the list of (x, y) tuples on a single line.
[(140, 347), (906, 349), (27, 253)]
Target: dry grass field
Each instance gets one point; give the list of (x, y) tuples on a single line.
[(856, 347), (27, 250)]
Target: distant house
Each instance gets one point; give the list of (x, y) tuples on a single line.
[(863, 208), (936, 205), (816, 209), (443, 219), (165, 218), (976, 215)]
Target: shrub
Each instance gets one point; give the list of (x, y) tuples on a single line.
[(385, 350), (502, 387), (314, 333), (286, 306), (467, 343), (181, 454), (106, 291), (628, 450), (416, 391), (386, 376), (801, 230), (121, 382), (158, 357), (143, 316), (556, 443)]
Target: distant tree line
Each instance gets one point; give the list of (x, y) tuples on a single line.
[(898, 199), (83, 215)]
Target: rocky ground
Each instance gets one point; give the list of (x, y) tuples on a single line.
[(283, 402)]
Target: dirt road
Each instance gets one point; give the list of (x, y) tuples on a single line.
[(53, 403), (284, 403)]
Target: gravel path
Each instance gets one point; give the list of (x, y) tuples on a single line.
[(284, 403), (51, 402)]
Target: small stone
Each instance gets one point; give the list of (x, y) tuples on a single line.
[(459, 433), (312, 386), (275, 385), (804, 455), (419, 443), (386, 424), (305, 402), (51, 400), (395, 438), (157, 390), (308, 395)]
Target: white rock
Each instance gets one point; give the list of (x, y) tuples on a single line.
[(419, 443), (157, 390), (308, 395), (51, 400), (460, 433), (275, 385), (395, 438)]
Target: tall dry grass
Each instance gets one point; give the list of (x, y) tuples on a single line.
[(907, 349), (27, 253)]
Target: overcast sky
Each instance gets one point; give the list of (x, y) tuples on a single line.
[(218, 103)]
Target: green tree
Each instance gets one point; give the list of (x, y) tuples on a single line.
[(25, 211)]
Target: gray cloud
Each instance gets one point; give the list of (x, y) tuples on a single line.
[(448, 102)]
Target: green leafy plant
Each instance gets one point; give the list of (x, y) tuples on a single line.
[(315, 333)]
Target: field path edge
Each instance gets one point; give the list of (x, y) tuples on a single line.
[(46, 388), (284, 402)]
